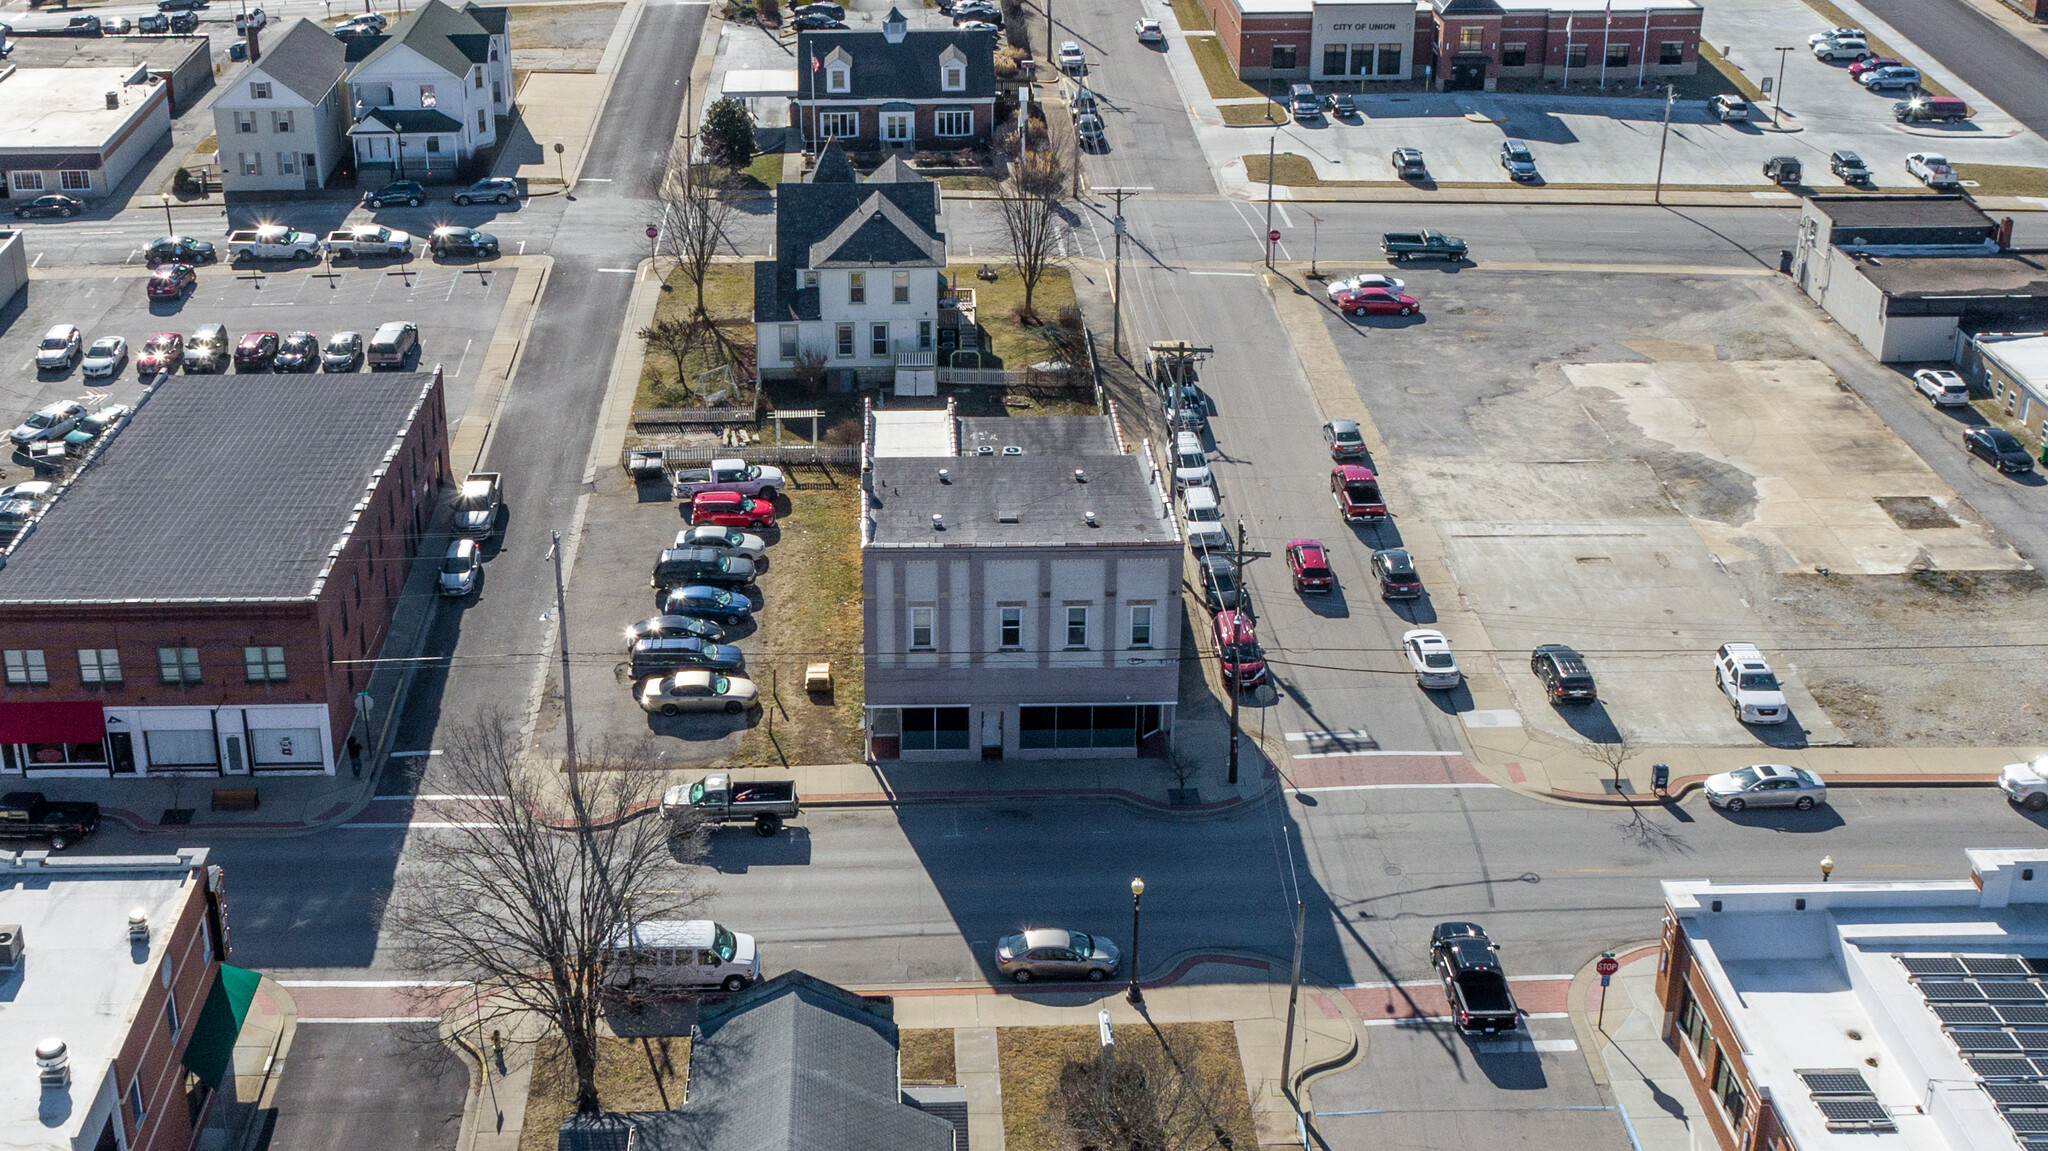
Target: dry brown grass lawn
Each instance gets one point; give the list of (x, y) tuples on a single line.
[(1192, 16), (626, 1081), (1031, 1058), (729, 297), (996, 304), (1253, 115), (563, 25), (810, 612), (2003, 180), (927, 1057)]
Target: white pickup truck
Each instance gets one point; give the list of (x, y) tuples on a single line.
[(273, 242), (368, 240), (2026, 784)]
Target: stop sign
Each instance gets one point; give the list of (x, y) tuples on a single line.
[(1608, 965), (1273, 236), (652, 231)]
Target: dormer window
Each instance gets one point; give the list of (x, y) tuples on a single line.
[(837, 79), (953, 70), (956, 78)]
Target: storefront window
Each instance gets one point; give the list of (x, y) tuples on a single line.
[(1575, 56), (181, 748), (1283, 57), (1333, 60), (934, 729), (285, 747), (1617, 55), (1514, 55), (1671, 52), (1390, 60), (1041, 728), (66, 755)]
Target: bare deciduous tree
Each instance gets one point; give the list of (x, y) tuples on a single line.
[(1140, 1099), (694, 216), (1611, 754), (673, 338), (527, 892), (1032, 213)]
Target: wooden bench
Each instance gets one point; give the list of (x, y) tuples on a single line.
[(234, 799)]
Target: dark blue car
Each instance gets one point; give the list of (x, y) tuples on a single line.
[(708, 603)]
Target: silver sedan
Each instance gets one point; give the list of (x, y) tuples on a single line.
[(1766, 785), (1055, 953)]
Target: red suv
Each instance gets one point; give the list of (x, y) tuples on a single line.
[(1357, 492), (1237, 647), (1310, 565), (172, 281), (732, 510)]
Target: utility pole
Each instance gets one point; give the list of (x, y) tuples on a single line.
[(1237, 557), (1670, 94), (1271, 141), (568, 705), (1293, 998), (1116, 287), (1778, 93), (1315, 243)]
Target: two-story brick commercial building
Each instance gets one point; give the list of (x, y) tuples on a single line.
[(117, 959), (1458, 44), (199, 595), (858, 268), (1020, 584), (929, 89)]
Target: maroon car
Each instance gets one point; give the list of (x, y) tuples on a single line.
[(1357, 492), (1377, 302), (160, 353), (256, 351), (1310, 565), (1237, 648), (171, 281)]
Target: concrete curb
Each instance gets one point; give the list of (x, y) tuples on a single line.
[(1680, 788), (1591, 1040)]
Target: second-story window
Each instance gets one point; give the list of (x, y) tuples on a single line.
[(901, 288), (956, 78), (98, 665), (178, 664), (1011, 635), (281, 121), (856, 288), (1077, 627), (921, 628), (426, 95), (259, 90), (836, 79), (1141, 625), (264, 664), (26, 666)]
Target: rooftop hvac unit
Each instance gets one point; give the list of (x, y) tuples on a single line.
[(10, 944), (113, 99)]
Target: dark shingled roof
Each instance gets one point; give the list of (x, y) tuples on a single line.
[(811, 212), (1037, 491), (880, 70), (307, 59), (414, 119), (493, 20), (792, 1064), (1468, 7), (219, 488), (361, 48)]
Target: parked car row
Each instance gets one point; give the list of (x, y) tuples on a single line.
[(210, 349)]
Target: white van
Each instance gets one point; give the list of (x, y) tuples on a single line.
[(1190, 463), (1204, 519), (683, 953)]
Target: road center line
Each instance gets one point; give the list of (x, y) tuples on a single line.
[(1383, 786)]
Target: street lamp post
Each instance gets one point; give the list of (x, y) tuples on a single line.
[(166, 198), (1670, 94), (1136, 996), (1827, 867), (1778, 93)]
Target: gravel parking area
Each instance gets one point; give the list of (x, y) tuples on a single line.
[(1586, 495), (561, 37)]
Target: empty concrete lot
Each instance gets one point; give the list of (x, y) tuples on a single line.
[(1646, 466)]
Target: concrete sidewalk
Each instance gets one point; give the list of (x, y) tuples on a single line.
[(1627, 1054)]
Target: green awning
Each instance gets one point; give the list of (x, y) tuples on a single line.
[(211, 1054)]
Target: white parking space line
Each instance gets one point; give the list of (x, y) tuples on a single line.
[(1415, 1019)]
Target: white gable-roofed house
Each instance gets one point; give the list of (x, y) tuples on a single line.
[(280, 126), (428, 97)]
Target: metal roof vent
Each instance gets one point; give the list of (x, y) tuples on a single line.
[(938, 522), (1080, 476), (138, 924), (1008, 518), (1090, 517), (1012, 450), (985, 450), (945, 477), (53, 1063)]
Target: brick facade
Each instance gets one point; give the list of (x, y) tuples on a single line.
[(150, 1060), (924, 123), (1679, 985)]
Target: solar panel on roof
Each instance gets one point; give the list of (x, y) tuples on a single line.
[(1846, 1081), (2032, 1014), (2038, 964), (2031, 1039), (1932, 964), (2034, 1144), (1993, 965), (2002, 1067), (1852, 1110), (1972, 1040), (1949, 990), (2027, 1122), (1954, 1013), (2012, 991), (2017, 1094)]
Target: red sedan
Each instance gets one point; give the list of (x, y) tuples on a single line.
[(1310, 564), (160, 353), (1357, 492), (1377, 302), (172, 281), (732, 510), (1872, 64), (1237, 648)]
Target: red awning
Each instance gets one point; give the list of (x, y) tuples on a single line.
[(52, 722)]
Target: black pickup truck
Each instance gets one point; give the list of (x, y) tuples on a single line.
[(29, 815), (1473, 980)]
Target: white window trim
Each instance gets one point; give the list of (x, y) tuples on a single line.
[(1001, 611), (1150, 624), (845, 119), (259, 90), (1071, 609), (838, 79), (939, 120), (923, 619), (74, 180), (27, 181)]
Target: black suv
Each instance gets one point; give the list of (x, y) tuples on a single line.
[(1564, 675), (680, 567)]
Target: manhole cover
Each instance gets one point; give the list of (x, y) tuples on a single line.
[(1916, 513)]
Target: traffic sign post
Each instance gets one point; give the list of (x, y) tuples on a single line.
[(1606, 967), (1273, 237)]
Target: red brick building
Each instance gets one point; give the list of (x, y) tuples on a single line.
[(191, 599), (132, 1001), (1459, 44), (925, 90)]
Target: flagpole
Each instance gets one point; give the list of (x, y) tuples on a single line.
[(1568, 51), (1643, 61), (1606, 30)]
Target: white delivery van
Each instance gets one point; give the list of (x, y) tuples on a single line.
[(683, 953), (1204, 520), (1190, 463)]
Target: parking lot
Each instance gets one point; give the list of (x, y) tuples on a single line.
[(1646, 483), (454, 306)]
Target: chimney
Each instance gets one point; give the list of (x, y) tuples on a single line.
[(138, 926), (2004, 233), (53, 1063), (255, 49)]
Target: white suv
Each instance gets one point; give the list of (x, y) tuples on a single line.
[(1749, 683), (1945, 388)]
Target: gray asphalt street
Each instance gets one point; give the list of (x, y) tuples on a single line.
[(350, 1086), (1150, 134), (1976, 49)]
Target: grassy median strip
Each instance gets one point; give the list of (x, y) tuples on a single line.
[(632, 1075), (1191, 16), (1031, 1059), (2003, 180), (1217, 71), (1712, 58), (926, 1057), (1266, 113), (810, 613)]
